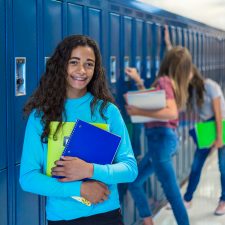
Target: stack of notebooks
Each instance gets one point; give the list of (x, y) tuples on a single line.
[(92, 143), (206, 134), (146, 99)]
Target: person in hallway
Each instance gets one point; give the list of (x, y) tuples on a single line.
[(206, 99), (173, 77), (210, 106), (74, 87)]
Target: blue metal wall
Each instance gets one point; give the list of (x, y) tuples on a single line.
[(129, 34)]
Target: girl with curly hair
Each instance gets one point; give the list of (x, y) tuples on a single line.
[(74, 87)]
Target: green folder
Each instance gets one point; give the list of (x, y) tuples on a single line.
[(206, 133), (56, 146)]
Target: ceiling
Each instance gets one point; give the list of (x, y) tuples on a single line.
[(210, 12)]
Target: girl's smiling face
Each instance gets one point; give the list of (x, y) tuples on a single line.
[(80, 71)]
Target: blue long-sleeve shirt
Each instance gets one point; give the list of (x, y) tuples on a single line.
[(60, 205)]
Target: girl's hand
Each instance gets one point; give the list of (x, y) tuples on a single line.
[(218, 143), (94, 191), (72, 169), (167, 38), (133, 74), (132, 110)]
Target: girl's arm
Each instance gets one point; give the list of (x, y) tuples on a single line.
[(33, 179), (216, 104), (170, 112), (167, 38), (123, 169)]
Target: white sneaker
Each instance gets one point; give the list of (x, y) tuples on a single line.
[(220, 209), (187, 204)]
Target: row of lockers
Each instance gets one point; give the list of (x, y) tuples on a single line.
[(127, 36)]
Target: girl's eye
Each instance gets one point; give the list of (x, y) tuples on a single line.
[(90, 65), (73, 62)]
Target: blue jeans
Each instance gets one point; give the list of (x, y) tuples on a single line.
[(196, 169), (162, 145)]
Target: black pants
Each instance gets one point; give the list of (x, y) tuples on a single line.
[(109, 218)]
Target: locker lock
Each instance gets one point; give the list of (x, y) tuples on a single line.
[(19, 81)]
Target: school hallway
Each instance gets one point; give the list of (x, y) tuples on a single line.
[(205, 199)]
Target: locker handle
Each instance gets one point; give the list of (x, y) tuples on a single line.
[(20, 76)]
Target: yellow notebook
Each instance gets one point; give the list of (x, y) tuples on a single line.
[(56, 147)]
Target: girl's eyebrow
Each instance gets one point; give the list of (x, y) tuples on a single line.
[(79, 59)]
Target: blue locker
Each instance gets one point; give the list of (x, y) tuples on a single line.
[(75, 18), (139, 45), (127, 49), (190, 41), (94, 25), (149, 52), (52, 26), (185, 34), (3, 197), (198, 49), (25, 64), (114, 51), (3, 161), (179, 36), (157, 47), (204, 53), (193, 44), (173, 35), (200, 44), (194, 54), (26, 211)]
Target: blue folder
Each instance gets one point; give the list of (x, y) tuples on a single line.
[(92, 144)]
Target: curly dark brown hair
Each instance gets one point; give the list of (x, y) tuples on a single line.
[(196, 85), (49, 98)]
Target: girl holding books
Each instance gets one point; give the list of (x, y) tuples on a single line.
[(206, 99), (174, 75), (74, 87)]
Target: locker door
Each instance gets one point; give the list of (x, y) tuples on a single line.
[(127, 46), (94, 25), (139, 46), (27, 212), (157, 47), (179, 36), (200, 51), (3, 161), (149, 52), (173, 35), (190, 41), (25, 65), (25, 80), (114, 53), (194, 55), (3, 197), (52, 26), (185, 37), (203, 54), (75, 19)]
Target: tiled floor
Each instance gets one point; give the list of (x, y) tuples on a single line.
[(204, 202)]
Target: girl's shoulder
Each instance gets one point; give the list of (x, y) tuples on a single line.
[(209, 83), (111, 108), (163, 80)]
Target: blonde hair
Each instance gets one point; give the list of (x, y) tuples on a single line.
[(177, 64)]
